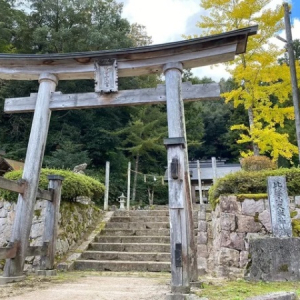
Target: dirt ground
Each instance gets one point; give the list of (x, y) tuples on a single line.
[(90, 286)]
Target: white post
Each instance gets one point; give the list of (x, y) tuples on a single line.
[(106, 186), (33, 162), (181, 236), (199, 182), (214, 168), (128, 185)]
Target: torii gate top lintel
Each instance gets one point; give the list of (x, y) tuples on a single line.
[(130, 62)]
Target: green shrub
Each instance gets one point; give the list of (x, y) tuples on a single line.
[(73, 185), (257, 163), (243, 182)]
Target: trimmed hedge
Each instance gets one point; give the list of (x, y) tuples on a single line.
[(243, 182), (74, 185)]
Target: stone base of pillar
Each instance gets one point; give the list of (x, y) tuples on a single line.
[(183, 297), (180, 289), (5, 280), (46, 273)]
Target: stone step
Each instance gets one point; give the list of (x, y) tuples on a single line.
[(119, 266), (137, 225), (147, 213), (130, 247), (137, 213), (140, 219), (128, 256), (130, 232), (133, 239)]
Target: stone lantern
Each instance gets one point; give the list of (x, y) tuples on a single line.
[(122, 201)]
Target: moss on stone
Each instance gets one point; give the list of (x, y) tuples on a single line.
[(293, 213), (37, 213), (255, 197), (256, 217), (283, 268), (296, 227)]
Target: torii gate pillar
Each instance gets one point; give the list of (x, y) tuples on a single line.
[(183, 255), (33, 162)]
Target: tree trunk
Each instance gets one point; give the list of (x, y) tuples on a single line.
[(136, 168), (251, 123), (250, 115)]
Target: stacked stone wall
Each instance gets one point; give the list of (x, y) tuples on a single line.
[(74, 220), (224, 233)]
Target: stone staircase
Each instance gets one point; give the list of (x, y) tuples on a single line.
[(138, 240)]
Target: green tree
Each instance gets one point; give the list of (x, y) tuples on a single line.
[(143, 137), (93, 24), (67, 156)]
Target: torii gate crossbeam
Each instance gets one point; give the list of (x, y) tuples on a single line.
[(105, 67)]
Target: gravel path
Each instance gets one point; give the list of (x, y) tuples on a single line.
[(90, 287)]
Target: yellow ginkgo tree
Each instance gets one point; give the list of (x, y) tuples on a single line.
[(263, 84)]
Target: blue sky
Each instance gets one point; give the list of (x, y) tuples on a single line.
[(295, 9)]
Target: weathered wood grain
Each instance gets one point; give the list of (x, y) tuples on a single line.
[(11, 185), (72, 70), (9, 251), (51, 223), (19, 186), (157, 95), (179, 227), (44, 194), (131, 62), (35, 151), (37, 250)]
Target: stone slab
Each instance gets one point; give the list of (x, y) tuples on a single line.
[(229, 204), (183, 297), (227, 221), (122, 266), (279, 206), (46, 273), (130, 247), (276, 296), (247, 224), (127, 256), (6, 280), (274, 259), (250, 207)]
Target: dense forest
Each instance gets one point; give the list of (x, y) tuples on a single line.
[(120, 134)]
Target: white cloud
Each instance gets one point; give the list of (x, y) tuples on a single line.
[(296, 29), (165, 20), (215, 72)]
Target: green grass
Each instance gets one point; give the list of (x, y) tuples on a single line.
[(241, 289)]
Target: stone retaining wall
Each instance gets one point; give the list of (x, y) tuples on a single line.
[(224, 233), (74, 220)]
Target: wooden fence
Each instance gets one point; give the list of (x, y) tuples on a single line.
[(47, 250)]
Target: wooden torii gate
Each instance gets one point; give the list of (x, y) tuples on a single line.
[(105, 67)]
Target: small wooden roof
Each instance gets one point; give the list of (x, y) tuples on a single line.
[(132, 61), (7, 165)]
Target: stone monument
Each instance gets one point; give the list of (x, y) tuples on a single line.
[(279, 206)]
